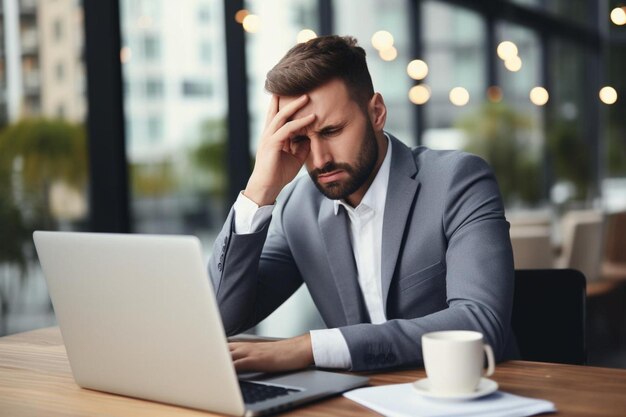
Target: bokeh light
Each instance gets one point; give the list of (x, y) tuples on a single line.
[(251, 23), (125, 54), (608, 95), (305, 35), (506, 50), (240, 15), (539, 96), (618, 16), (419, 94), (388, 54), (513, 64), (382, 40), (459, 96), (494, 94), (417, 69)]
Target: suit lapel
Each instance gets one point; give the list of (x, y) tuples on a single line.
[(336, 236), (401, 192)]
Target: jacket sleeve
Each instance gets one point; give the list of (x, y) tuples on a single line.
[(479, 277), (252, 274)]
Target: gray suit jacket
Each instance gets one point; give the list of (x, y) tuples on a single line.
[(446, 260)]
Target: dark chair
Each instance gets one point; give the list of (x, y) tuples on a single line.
[(549, 315)]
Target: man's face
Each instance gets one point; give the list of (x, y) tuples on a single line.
[(344, 149)]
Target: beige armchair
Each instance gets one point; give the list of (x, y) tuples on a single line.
[(614, 262), (582, 232), (532, 247)]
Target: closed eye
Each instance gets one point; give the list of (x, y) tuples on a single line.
[(330, 131)]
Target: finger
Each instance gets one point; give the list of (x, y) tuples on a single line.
[(234, 345), (238, 354), (244, 365), (292, 127), (272, 109), (286, 112)]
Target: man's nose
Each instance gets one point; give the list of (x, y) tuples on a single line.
[(319, 153)]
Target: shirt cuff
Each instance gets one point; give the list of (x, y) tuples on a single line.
[(330, 349), (249, 217)]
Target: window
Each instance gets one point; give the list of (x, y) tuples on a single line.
[(205, 52), (155, 128), (151, 48), (204, 13), (192, 88), (154, 88), (571, 152), (177, 175), (60, 71), (280, 23), (44, 172), (389, 74), (58, 30), (454, 45)]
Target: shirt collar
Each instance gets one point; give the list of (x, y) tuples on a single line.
[(375, 195)]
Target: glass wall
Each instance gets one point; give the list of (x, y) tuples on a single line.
[(382, 29), (273, 27), (614, 146), (569, 145), (516, 150), (454, 48), (175, 108), (43, 149)]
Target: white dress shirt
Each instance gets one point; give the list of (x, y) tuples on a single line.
[(330, 349)]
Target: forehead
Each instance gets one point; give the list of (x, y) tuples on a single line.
[(328, 100)]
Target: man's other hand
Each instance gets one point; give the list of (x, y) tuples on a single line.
[(283, 355)]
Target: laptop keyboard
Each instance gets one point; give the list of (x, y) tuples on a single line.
[(254, 392)]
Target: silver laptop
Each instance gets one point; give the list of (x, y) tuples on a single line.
[(139, 318)]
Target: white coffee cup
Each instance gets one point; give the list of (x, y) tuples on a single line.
[(454, 360)]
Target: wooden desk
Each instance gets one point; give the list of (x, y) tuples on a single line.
[(35, 380)]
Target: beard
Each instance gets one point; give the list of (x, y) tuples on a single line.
[(358, 173)]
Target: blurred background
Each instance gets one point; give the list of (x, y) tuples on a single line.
[(143, 116)]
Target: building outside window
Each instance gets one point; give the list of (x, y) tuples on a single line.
[(43, 147), (175, 110)]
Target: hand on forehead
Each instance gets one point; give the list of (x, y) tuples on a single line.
[(305, 110)]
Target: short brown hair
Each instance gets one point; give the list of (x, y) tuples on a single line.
[(309, 65)]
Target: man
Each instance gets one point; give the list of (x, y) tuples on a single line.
[(392, 242)]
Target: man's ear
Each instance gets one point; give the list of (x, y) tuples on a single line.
[(377, 112)]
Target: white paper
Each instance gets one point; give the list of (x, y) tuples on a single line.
[(401, 400)]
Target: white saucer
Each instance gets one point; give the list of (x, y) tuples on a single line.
[(486, 386)]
